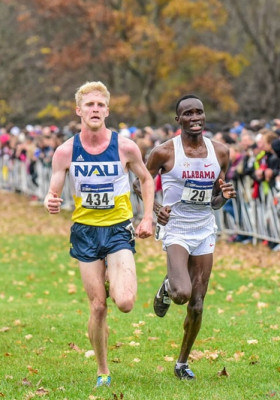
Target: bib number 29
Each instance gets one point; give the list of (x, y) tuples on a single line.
[(197, 195), (197, 192)]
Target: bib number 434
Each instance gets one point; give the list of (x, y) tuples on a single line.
[(97, 196)]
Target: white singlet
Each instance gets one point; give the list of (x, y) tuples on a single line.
[(187, 189)]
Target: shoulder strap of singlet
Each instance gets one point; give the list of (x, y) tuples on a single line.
[(109, 154), (210, 147)]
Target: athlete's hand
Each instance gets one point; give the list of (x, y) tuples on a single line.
[(145, 228), (227, 188), (53, 203), (163, 215)]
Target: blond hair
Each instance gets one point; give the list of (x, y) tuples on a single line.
[(89, 87)]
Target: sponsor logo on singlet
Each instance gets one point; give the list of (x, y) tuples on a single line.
[(80, 158)]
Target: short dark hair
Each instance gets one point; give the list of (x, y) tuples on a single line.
[(187, 96)]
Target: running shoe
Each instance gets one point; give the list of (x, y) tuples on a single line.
[(103, 380), (162, 301), (184, 372)]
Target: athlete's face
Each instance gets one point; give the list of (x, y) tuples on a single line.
[(191, 116), (93, 110)]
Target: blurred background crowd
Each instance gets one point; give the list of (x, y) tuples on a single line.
[(26, 155)]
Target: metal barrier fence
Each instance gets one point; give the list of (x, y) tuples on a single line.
[(258, 218)]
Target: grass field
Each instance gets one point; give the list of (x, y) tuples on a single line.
[(44, 312)]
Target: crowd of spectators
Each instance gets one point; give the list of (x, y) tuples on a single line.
[(254, 149)]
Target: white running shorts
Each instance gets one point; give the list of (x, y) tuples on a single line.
[(196, 243)]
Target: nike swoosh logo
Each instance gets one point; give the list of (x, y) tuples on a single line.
[(207, 165)]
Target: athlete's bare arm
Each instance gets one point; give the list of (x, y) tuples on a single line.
[(222, 190), (60, 165), (131, 158), (160, 160)]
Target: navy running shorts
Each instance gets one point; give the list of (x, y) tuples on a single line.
[(90, 243)]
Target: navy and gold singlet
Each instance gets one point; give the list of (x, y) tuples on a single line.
[(99, 185)]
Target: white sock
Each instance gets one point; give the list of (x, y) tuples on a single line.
[(179, 365), (167, 286)]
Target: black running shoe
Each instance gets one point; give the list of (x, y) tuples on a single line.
[(162, 301), (184, 372)]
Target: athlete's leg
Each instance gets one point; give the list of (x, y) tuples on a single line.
[(93, 276), (179, 283), (199, 271), (122, 277)]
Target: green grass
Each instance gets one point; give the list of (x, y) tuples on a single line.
[(41, 295)]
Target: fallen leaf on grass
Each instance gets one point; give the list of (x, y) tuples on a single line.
[(29, 395), (73, 346), (72, 288), (28, 337), (152, 338), (115, 397), (60, 389), (196, 355), (41, 392), (254, 359), (168, 358), (238, 355), (31, 370), (252, 341), (276, 339), (271, 394), (26, 382), (89, 353), (4, 329), (117, 345), (2, 394), (261, 305), (133, 344), (223, 372), (242, 289), (212, 355), (136, 325)]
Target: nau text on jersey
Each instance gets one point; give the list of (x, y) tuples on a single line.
[(98, 170)]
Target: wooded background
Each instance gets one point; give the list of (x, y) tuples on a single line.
[(148, 53)]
